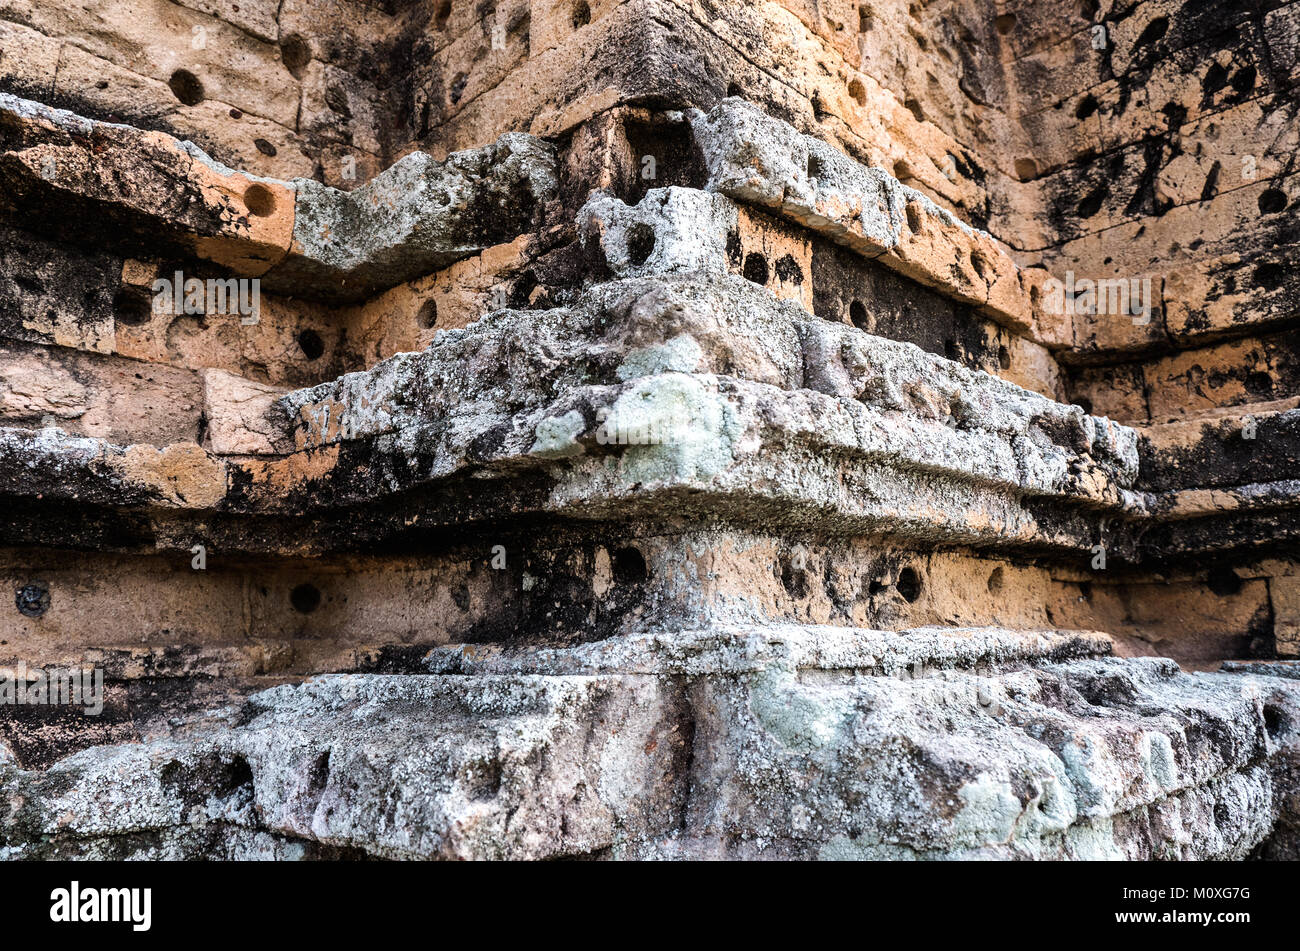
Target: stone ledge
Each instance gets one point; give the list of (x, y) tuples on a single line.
[(725, 649), (1036, 756), (761, 160), (299, 237)]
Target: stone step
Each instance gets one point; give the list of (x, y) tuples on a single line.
[(708, 385), (791, 742)]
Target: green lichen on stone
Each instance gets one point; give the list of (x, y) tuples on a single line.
[(556, 437), (675, 428), (681, 354)]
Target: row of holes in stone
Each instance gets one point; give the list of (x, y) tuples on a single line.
[(295, 54), (795, 581), (132, 308), (641, 242), (627, 566)]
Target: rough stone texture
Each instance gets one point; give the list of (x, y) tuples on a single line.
[(418, 216), (781, 742), (302, 237), (697, 403), (240, 415), (662, 432), (755, 158), (395, 767)]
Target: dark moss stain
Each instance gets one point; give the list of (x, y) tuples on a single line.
[(788, 270), (1243, 81), (1216, 77), (47, 280), (1211, 185)]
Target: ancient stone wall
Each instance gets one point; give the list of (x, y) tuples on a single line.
[(756, 379)]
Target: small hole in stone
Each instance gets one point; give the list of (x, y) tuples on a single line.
[(995, 581), (443, 15), (457, 88), (319, 777), (1269, 276), (295, 54), (858, 92), (1084, 404), (1259, 384), (733, 89), (640, 243), (1092, 202), (1216, 77), (186, 87), (1004, 358), (815, 167), (482, 779), (794, 575), (132, 306), (428, 315), (1005, 23), (1272, 201), (305, 598), (858, 316), (914, 217), (1243, 80), (1275, 721), (755, 268), (1026, 169), (735, 252), (909, 585), (581, 14), (864, 19), (1224, 582), (629, 566), (526, 291), (260, 201), (788, 270), (33, 599), (311, 345)]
